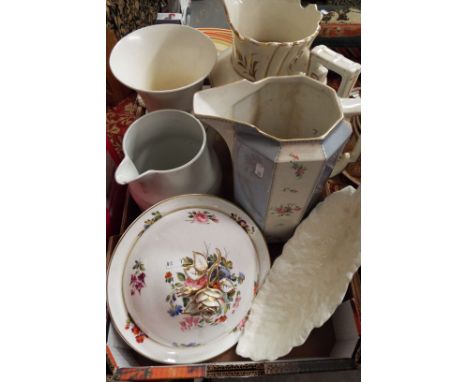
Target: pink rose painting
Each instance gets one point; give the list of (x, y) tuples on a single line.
[(202, 217)]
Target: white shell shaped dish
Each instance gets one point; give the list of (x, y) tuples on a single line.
[(183, 276), (308, 281)]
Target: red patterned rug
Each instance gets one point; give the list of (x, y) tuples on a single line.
[(118, 119)]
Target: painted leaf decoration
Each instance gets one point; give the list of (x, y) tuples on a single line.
[(180, 276), (222, 305), (254, 69), (200, 263), (187, 261)]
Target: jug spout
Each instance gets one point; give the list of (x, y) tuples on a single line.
[(126, 172), (215, 108)]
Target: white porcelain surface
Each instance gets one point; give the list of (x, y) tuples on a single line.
[(308, 281), (352, 156), (165, 63), (155, 248), (199, 269), (223, 73), (166, 154), (285, 135), (271, 37)]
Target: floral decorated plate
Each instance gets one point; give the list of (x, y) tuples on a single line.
[(183, 276)]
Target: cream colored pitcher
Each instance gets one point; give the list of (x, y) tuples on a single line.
[(273, 38)]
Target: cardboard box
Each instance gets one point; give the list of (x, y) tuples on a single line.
[(332, 347)]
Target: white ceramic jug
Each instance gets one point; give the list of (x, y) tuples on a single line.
[(166, 154)]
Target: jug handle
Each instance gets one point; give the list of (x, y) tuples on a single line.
[(349, 156), (323, 58)]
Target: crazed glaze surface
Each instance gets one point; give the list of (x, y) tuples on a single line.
[(318, 263)]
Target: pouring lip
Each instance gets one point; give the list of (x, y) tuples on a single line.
[(308, 38), (171, 170), (260, 83)]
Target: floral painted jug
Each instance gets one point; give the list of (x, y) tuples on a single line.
[(285, 135)]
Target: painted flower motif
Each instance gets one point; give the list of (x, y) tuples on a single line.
[(286, 210), (241, 325), (149, 222), (139, 335), (299, 168), (188, 322), (204, 291), (198, 284), (208, 302), (222, 318), (203, 217), (137, 278), (175, 311), (236, 301), (245, 226)]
